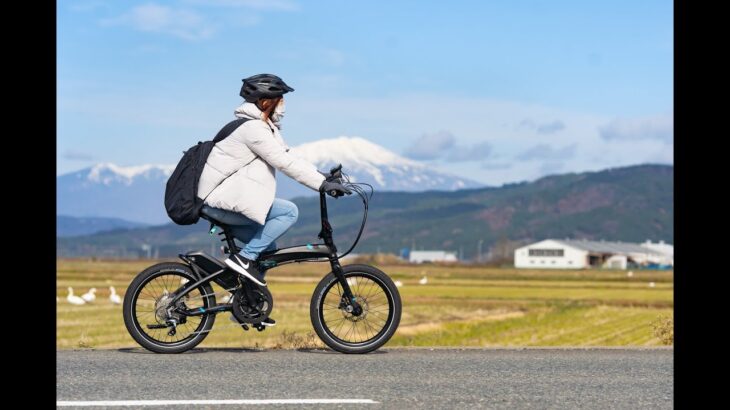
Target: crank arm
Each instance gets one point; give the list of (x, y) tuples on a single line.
[(245, 326)]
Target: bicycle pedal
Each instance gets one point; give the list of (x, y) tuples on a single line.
[(244, 326), (260, 327)]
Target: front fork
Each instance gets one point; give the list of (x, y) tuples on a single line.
[(348, 301)]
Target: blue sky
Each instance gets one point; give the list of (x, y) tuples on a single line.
[(498, 91)]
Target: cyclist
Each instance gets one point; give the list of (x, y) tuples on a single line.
[(238, 182)]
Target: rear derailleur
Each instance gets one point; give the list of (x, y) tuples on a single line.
[(166, 314)]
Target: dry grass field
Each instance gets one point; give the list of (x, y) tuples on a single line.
[(459, 306)]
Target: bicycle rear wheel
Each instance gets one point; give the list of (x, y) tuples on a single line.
[(145, 309)]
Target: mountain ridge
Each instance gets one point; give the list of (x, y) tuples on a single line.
[(136, 193), (632, 203)]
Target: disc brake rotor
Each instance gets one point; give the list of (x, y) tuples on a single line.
[(351, 317)]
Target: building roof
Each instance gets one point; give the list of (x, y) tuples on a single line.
[(607, 247)]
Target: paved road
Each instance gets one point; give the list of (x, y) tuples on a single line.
[(391, 378)]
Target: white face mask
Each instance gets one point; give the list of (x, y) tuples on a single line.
[(279, 111)]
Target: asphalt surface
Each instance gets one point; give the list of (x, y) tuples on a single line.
[(393, 378)]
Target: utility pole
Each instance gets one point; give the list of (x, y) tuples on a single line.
[(479, 250)]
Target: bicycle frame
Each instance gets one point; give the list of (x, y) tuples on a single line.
[(268, 260)]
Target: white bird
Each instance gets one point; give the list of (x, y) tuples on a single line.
[(398, 283), (652, 284), (183, 281), (114, 298), (74, 300), (630, 274), (90, 295), (423, 281)]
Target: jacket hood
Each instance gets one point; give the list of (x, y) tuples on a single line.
[(251, 111)]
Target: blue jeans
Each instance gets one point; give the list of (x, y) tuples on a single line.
[(258, 238)]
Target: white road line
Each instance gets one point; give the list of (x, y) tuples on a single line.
[(201, 402)]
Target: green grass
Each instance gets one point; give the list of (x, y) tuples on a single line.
[(460, 306)]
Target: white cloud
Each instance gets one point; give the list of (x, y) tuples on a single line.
[(397, 121), (551, 167), (276, 5), (550, 127), (394, 122), (430, 146), (442, 145), (476, 152), (496, 165), (543, 128), (660, 127), (545, 151), (154, 18)]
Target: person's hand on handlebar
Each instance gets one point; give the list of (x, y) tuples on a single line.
[(329, 177), (334, 189)]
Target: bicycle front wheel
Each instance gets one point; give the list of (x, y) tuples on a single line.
[(345, 332)]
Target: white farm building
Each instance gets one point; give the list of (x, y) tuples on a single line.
[(580, 254), (432, 256)]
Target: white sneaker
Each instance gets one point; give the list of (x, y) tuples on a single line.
[(246, 268)]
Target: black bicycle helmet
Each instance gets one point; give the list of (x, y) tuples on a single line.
[(263, 86)]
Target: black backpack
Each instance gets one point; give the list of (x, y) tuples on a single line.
[(181, 193)]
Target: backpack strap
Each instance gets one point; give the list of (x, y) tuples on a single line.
[(228, 129)]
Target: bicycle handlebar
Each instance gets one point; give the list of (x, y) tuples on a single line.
[(356, 187), (336, 176)]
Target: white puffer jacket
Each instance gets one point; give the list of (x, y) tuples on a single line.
[(248, 158)]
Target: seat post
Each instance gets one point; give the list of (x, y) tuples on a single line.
[(225, 231)]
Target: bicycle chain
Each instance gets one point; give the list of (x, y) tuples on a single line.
[(231, 290)]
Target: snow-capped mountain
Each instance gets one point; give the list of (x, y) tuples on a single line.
[(365, 161), (136, 193), (108, 190), (108, 173)]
